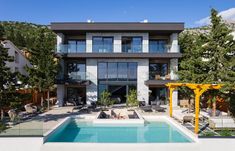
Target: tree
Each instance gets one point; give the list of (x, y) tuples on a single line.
[(7, 79), (191, 69), (43, 72), (219, 55), (209, 57)]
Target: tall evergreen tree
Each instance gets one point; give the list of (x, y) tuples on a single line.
[(219, 51), (209, 57), (7, 79), (43, 72)]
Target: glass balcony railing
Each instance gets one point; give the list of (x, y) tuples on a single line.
[(75, 77), (116, 48)]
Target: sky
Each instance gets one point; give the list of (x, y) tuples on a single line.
[(193, 13)]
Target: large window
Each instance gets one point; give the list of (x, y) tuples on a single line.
[(112, 71), (117, 71), (102, 44), (102, 71), (75, 46), (76, 71), (157, 46), (157, 69), (131, 44), (122, 71)]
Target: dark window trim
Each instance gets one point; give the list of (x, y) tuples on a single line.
[(117, 71), (112, 37), (141, 37)]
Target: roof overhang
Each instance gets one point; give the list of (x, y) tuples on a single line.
[(155, 83), (82, 27)]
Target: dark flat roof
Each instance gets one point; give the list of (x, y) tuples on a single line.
[(117, 26)]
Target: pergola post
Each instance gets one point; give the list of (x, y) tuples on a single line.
[(197, 106), (171, 89)]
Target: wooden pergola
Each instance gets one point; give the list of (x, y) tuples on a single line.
[(198, 90)]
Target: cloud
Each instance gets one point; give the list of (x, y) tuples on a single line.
[(228, 15)]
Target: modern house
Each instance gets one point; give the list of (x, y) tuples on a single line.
[(20, 58), (116, 57)]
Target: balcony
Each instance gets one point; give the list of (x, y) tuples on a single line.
[(116, 48), (80, 78), (118, 51)]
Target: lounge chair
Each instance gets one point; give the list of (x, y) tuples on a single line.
[(157, 107), (103, 115), (144, 107), (30, 109)]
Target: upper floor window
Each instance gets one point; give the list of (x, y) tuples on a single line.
[(76, 70), (117, 71), (158, 70), (157, 46), (75, 46), (131, 44), (102, 44)]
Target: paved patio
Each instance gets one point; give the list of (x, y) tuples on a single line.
[(42, 123)]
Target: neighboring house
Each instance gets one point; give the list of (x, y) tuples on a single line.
[(117, 57), (20, 60)]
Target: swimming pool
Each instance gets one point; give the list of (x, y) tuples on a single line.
[(87, 132)]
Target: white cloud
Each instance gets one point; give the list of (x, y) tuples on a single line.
[(228, 15)]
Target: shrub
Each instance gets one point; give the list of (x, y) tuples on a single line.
[(225, 132), (105, 99), (2, 127), (132, 98)]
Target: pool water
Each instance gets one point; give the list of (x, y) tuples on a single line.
[(86, 132)]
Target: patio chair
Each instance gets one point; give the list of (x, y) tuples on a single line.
[(30, 109), (159, 108), (144, 107), (188, 118)]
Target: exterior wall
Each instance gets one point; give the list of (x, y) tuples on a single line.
[(174, 43), (142, 76), (60, 38), (173, 75), (91, 72), (60, 94), (22, 60), (117, 40)]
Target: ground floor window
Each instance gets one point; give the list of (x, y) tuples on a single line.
[(118, 92), (76, 94), (158, 95)]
